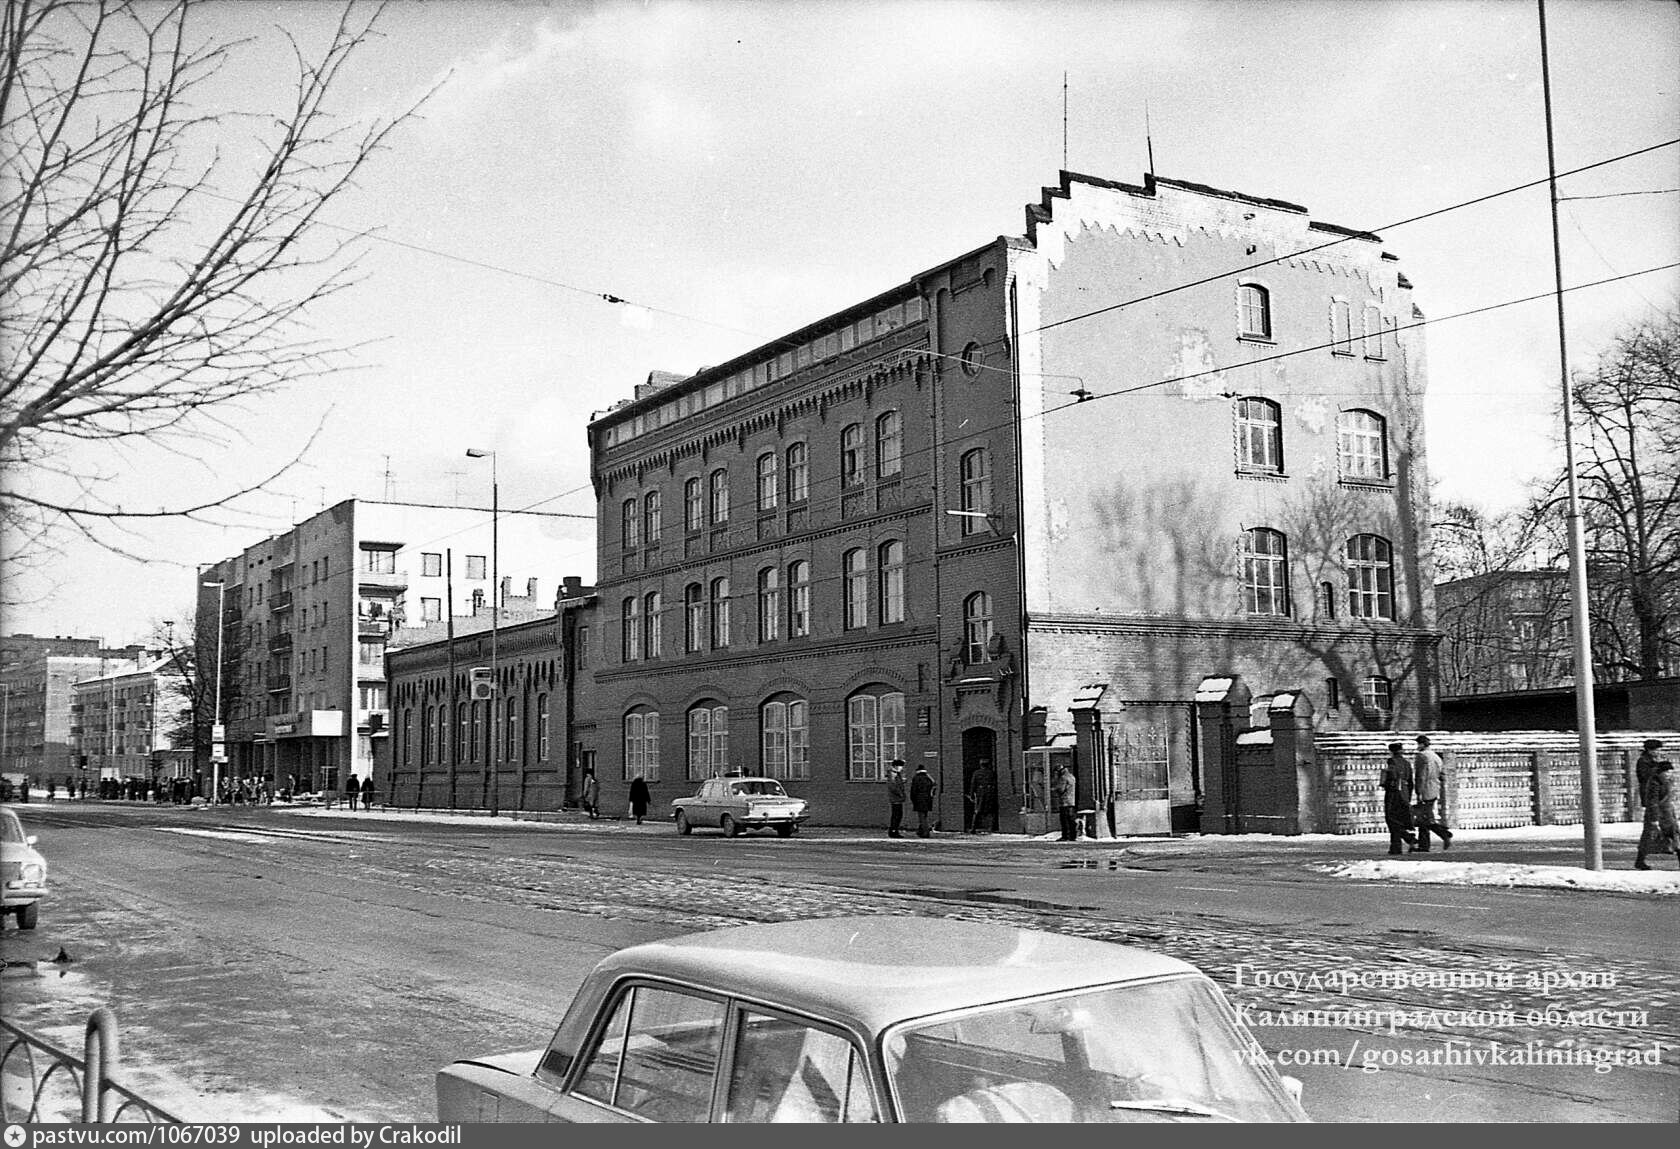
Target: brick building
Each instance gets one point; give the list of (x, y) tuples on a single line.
[(1027, 500), (38, 675)]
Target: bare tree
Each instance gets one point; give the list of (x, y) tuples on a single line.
[(152, 275)]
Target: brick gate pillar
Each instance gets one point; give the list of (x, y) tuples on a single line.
[(1295, 757), (1221, 714)]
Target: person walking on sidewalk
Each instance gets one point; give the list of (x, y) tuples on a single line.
[(1643, 770), (897, 791), (921, 799), (640, 798), (591, 794), (1660, 794), (1066, 794), (1429, 790), (1397, 798), (351, 788)]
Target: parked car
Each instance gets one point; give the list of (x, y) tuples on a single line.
[(736, 804), (23, 871), (891, 1019)]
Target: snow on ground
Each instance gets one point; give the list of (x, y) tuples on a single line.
[(1661, 882)]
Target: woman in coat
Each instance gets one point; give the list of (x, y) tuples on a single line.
[(640, 799), (1663, 792)]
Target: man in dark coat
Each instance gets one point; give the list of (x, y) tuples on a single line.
[(1643, 770), (352, 788), (1397, 798), (921, 800), (367, 792), (897, 791), (640, 798)]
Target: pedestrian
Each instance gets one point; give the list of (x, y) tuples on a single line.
[(1659, 794), (640, 798), (1429, 795), (1643, 770), (52, 790), (1397, 798), (982, 792), (591, 794), (922, 790), (897, 791), (367, 791), (1066, 791), (351, 789)]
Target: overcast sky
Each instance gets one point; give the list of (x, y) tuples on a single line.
[(740, 169)]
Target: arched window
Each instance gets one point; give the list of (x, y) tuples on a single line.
[(694, 506), (851, 456), (977, 626), (630, 526), (720, 613), (767, 485), (694, 618), (798, 473), (889, 575), (652, 624), (641, 744), (1265, 572), (799, 599), (463, 731), (1362, 445), (1254, 311), (769, 604), (1374, 326), (1370, 572), (1259, 435), (874, 733), (1341, 327), (630, 629), (1376, 698), (480, 735), (708, 740), (408, 736), (511, 748), (785, 738), (976, 494), (542, 728), (439, 741), (426, 757), (889, 445), (720, 497), (651, 525), (856, 565)]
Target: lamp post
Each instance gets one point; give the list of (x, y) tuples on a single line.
[(218, 732), (494, 768)]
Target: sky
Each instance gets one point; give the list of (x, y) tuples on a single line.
[(736, 170)]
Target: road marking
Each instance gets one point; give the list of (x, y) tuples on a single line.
[(1434, 905), (1209, 889)]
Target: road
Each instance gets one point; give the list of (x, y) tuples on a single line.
[(270, 966)]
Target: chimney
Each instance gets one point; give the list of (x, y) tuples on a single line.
[(571, 587), (531, 589)]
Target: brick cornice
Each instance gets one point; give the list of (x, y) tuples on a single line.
[(1282, 629)]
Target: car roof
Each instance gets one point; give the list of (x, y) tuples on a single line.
[(873, 971)]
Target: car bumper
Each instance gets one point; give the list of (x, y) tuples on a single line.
[(23, 895)]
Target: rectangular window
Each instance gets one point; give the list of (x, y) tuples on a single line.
[(1341, 327), (431, 610), (431, 565), (379, 561), (475, 566)]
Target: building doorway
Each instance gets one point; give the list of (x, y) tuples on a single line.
[(980, 779)]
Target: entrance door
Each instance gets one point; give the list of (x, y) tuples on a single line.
[(980, 784)]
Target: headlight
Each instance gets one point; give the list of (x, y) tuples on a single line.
[(33, 874)]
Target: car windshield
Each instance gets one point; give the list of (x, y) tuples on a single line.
[(760, 786), (1160, 1051), (11, 830)]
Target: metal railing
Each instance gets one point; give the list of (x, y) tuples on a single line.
[(48, 1076)]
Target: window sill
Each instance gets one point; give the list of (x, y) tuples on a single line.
[(1341, 354), (1376, 358), (1263, 476), (1367, 484), (1266, 339)]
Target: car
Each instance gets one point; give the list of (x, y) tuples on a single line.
[(736, 803), (23, 871), (882, 1019)]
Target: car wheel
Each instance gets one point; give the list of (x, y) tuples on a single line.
[(28, 915), (730, 827), (682, 824), (785, 831)]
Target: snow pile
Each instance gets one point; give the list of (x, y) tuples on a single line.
[(1662, 883)]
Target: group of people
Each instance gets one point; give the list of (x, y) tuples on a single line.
[(1657, 792), (1414, 797), (362, 789), (919, 789)]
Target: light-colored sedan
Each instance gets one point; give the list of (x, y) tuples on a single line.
[(23, 871), (736, 804), (866, 1019)]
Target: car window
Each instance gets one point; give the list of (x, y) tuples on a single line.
[(11, 830), (774, 789), (657, 1056), (787, 1071)]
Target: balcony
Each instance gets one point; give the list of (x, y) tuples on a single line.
[(373, 629), (393, 579), (280, 600), (280, 643), (279, 682)]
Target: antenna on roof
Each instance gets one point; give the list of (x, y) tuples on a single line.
[(1064, 121), (389, 486), (1148, 139)]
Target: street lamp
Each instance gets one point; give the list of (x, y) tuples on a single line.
[(495, 616), (218, 732)]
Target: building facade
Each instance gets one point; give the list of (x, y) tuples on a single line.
[(37, 679), (306, 616), (1506, 631), (1029, 499), (133, 723)]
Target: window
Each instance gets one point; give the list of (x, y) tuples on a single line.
[(582, 646), (767, 481), (1254, 312), (694, 507), (651, 624), (890, 580), (511, 749), (799, 599), (542, 728), (851, 456), (1341, 327), (1265, 572), (1362, 445), (977, 626), (480, 733), (889, 445), (708, 741), (426, 735), (720, 613), (1370, 577), (431, 565), (1259, 436), (720, 497), (630, 525), (462, 732), (856, 589), (874, 734), (657, 1056), (475, 566), (798, 473), (694, 615), (1374, 325), (1326, 600), (976, 493), (630, 629), (370, 653), (651, 524), (785, 739), (1376, 696), (641, 745), (769, 604), (431, 610), (1332, 694), (379, 560), (785, 1071)]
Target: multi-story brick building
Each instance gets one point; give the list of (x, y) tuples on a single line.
[(1505, 631), (37, 677), (1032, 496), (306, 616), (133, 723)]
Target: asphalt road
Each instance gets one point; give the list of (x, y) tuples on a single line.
[(268, 966)]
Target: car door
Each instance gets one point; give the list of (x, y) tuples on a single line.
[(786, 1069), (653, 1058)]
